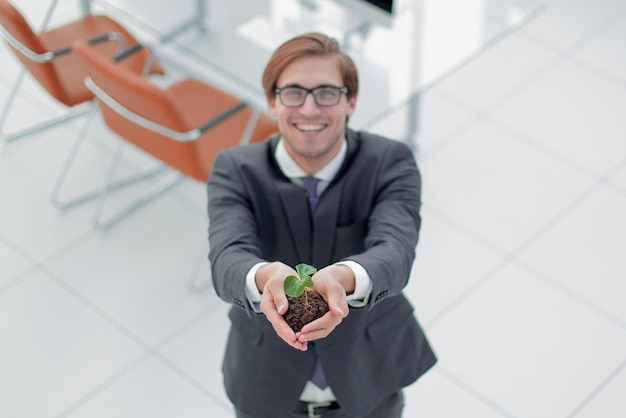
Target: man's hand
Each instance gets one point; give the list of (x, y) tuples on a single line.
[(332, 283), (270, 280)]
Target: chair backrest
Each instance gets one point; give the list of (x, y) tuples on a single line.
[(159, 106), (130, 89), (14, 23)]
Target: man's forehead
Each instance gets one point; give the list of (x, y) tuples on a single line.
[(311, 71)]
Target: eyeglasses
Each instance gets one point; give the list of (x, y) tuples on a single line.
[(294, 96)]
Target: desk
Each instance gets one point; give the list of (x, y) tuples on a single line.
[(426, 41)]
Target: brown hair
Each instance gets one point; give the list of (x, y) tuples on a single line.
[(306, 45)]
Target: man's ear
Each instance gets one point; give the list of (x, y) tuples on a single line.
[(272, 105), (351, 105)]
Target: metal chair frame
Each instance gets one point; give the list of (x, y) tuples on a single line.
[(43, 58), (110, 184)]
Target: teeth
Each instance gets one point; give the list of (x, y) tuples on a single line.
[(310, 127)]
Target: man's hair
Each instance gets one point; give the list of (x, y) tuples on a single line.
[(309, 45)]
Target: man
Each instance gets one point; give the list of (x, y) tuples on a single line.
[(360, 234)]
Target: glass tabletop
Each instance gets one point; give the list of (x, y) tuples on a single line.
[(398, 56)]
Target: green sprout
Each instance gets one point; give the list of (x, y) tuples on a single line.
[(295, 286)]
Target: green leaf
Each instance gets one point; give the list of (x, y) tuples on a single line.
[(293, 286), (307, 282), (304, 270)]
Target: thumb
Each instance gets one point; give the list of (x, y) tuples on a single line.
[(280, 300), (337, 304)]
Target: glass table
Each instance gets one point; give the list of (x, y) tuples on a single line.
[(228, 42)]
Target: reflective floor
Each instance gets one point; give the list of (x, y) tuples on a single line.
[(520, 272)]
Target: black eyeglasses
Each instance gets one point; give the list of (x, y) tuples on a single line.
[(294, 96)]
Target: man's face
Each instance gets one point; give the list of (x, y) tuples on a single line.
[(312, 134)]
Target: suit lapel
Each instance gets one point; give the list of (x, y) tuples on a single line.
[(296, 208), (325, 223)]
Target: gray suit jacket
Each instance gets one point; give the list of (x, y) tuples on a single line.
[(370, 214)]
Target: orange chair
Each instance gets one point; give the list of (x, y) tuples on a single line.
[(183, 126), (48, 57)]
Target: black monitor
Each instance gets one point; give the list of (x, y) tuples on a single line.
[(386, 5), (378, 11)]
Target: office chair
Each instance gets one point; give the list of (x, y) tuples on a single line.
[(49, 58), (183, 126)]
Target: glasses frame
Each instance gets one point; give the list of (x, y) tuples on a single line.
[(341, 90)]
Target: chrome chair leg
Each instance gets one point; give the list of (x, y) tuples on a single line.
[(99, 221), (95, 192), (56, 190), (31, 129), (198, 283)]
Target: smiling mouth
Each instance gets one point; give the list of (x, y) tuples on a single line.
[(310, 127)]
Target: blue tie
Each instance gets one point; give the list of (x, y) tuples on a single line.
[(310, 184)]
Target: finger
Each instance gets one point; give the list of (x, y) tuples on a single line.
[(287, 335), (338, 304), (320, 328), (282, 329), (277, 295)]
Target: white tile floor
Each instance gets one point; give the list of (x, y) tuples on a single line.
[(520, 277)]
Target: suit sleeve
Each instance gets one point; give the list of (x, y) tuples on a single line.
[(234, 245), (393, 225)]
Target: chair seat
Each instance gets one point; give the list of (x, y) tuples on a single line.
[(71, 86)]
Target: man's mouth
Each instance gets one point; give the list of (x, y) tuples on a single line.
[(310, 127)]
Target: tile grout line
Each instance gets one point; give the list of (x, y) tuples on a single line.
[(598, 30), (149, 351), (540, 147), (472, 391), (566, 54), (561, 56), (599, 71), (29, 272), (488, 45), (82, 400), (485, 116), (564, 290), (597, 390), (595, 187), (513, 257), (152, 352), (468, 232), (467, 293)]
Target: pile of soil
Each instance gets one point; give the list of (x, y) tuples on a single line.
[(299, 313)]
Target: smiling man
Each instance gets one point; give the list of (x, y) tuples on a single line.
[(345, 202)]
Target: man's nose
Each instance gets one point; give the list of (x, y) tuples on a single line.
[(309, 105)]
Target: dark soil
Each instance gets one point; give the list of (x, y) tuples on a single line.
[(299, 313)]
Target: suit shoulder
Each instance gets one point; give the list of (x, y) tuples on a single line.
[(377, 144), (247, 152)]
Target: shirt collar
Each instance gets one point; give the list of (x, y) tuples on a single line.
[(291, 169)]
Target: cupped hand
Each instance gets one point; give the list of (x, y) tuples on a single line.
[(331, 283), (274, 301)]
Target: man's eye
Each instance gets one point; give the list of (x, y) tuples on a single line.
[(292, 93), (326, 93)]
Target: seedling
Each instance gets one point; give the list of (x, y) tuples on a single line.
[(302, 310), (295, 286)]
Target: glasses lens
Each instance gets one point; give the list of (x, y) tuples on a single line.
[(326, 96), (292, 96)]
